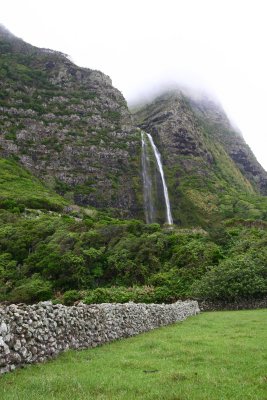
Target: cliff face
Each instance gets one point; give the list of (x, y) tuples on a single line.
[(213, 117), (209, 168), (69, 126)]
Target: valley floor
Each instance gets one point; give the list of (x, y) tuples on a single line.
[(213, 356)]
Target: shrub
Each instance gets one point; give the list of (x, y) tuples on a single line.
[(137, 294), (70, 297), (242, 277), (31, 290), (108, 295), (12, 205), (144, 294)]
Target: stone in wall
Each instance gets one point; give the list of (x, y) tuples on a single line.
[(35, 333), (241, 304)]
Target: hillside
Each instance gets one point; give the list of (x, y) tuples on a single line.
[(211, 172), (20, 189), (69, 126), (72, 221)]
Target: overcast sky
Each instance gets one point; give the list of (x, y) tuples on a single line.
[(218, 45)]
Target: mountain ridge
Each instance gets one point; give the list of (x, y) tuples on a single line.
[(66, 129), (72, 129)]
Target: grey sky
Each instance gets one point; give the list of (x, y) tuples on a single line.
[(212, 44)]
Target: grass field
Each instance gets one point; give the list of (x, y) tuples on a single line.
[(220, 356)]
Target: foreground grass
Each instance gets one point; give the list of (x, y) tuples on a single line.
[(220, 355)]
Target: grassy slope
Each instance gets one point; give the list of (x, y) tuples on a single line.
[(212, 356), (19, 185)]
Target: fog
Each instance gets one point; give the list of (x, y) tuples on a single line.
[(211, 45)]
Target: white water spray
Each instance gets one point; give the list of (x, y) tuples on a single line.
[(149, 208), (148, 197)]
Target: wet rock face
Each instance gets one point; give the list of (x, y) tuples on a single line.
[(69, 126), (31, 334)]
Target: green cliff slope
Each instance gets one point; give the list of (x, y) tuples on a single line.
[(211, 173), (68, 126), (20, 189)]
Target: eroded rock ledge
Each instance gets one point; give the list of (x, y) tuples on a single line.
[(35, 333)]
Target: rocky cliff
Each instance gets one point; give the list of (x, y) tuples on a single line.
[(213, 117), (211, 172), (69, 126), (72, 129)]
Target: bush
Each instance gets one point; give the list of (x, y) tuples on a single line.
[(172, 284), (12, 205), (120, 295), (70, 297), (137, 294), (164, 294), (242, 277), (31, 290), (108, 295)]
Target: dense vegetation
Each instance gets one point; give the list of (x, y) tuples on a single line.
[(211, 356), (87, 254), (91, 256), (76, 133)]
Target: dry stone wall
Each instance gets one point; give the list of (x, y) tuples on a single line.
[(242, 304), (35, 333)]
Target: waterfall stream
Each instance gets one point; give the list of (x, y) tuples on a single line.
[(147, 181)]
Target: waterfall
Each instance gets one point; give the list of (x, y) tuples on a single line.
[(148, 198), (169, 219)]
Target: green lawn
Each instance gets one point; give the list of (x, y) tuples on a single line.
[(220, 355)]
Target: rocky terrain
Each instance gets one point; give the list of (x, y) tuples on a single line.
[(69, 126)]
